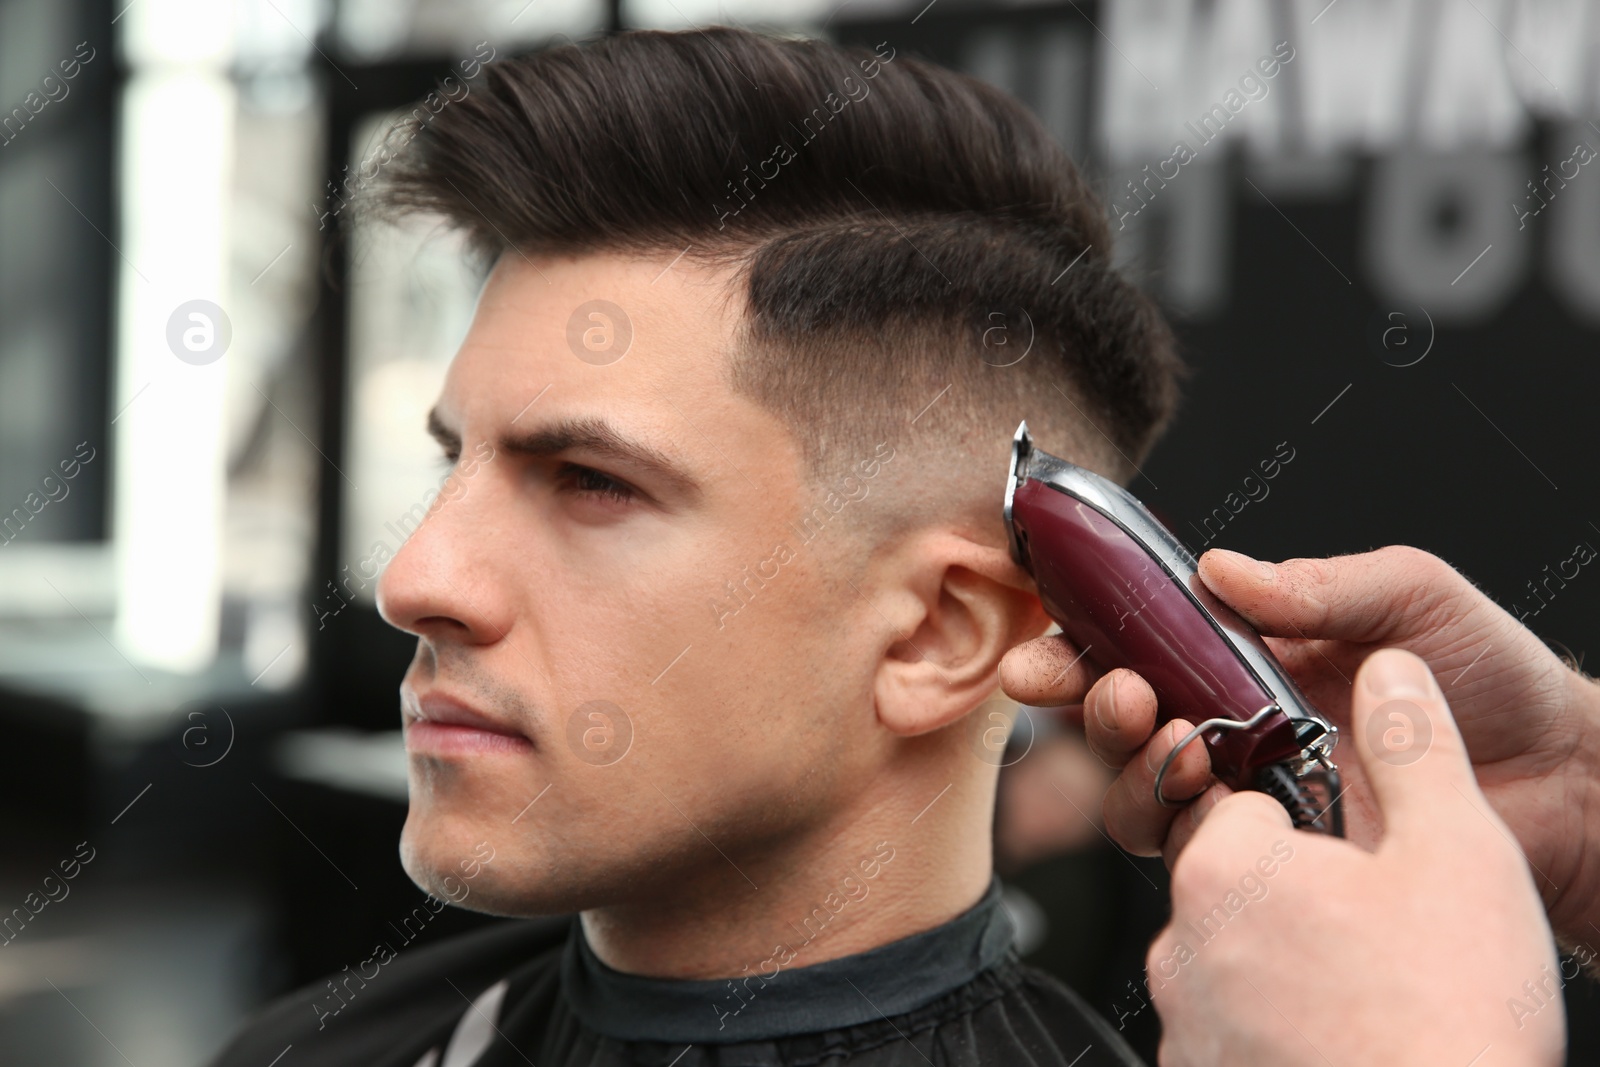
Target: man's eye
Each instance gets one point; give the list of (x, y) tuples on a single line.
[(587, 481)]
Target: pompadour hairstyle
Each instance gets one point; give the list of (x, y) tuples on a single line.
[(899, 228)]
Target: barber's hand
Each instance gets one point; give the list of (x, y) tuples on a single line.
[(1531, 725), (1287, 947)]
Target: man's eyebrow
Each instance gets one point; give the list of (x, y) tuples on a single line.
[(596, 435)]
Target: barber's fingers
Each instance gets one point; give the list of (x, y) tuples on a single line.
[(1238, 826), (1133, 818), (1046, 672), (1242, 835), (1364, 597), (1410, 749), (1187, 821), (1119, 715)]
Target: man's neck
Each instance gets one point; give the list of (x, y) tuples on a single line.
[(903, 865)]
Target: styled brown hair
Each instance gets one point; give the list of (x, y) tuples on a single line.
[(903, 231)]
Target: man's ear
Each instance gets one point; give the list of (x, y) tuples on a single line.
[(957, 607)]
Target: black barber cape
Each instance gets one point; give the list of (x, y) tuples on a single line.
[(533, 992)]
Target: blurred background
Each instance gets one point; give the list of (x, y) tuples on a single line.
[(1383, 262)]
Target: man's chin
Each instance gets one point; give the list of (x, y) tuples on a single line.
[(461, 863), (485, 865)]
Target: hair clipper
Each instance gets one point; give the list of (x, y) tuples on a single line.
[(1126, 592)]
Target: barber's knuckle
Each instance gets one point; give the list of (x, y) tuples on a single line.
[(1409, 554), (1424, 585), (1415, 563), (1310, 583), (1311, 571)]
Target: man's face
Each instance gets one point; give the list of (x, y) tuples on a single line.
[(585, 705)]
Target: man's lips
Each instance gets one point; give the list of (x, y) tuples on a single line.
[(442, 725)]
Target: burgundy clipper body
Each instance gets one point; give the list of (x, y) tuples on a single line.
[(1125, 591)]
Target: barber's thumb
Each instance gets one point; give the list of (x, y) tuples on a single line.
[(1407, 741)]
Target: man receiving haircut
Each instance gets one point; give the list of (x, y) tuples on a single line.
[(701, 654)]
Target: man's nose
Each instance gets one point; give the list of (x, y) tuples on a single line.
[(443, 582)]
